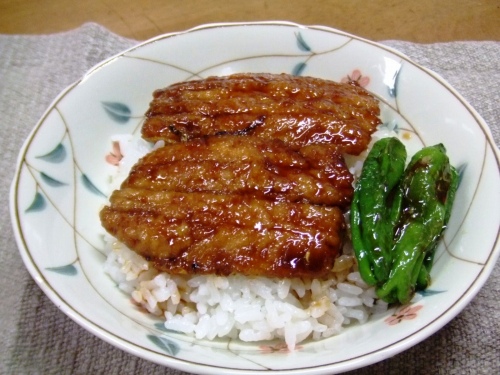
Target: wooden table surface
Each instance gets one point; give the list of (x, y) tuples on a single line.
[(424, 21)]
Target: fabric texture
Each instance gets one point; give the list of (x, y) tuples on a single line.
[(37, 338)]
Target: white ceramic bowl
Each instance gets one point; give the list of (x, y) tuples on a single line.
[(61, 184)]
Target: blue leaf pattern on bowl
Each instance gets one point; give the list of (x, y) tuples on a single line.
[(461, 172), (91, 187), (165, 344), (57, 155), (119, 112), (298, 69), (301, 43), (430, 292), (393, 84), (68, 270), (51, 181), (391, 126), (38, 203)]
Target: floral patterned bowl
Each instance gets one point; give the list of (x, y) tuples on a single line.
[(61, 184)]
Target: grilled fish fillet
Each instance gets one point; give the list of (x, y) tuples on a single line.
[(244, 165), (206, 233), (298, 110)]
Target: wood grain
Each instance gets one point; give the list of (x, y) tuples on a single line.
[(424, 21)]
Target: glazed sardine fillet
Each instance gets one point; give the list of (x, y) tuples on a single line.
[(298, 110), (205, 233), (244, 165)]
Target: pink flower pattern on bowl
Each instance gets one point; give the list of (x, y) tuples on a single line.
[(277, 348), (406, 312), (357, 78), (114, 156)]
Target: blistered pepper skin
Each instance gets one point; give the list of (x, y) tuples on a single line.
[(428, 189), (375, 209)]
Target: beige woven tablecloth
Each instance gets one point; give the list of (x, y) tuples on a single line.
[(37, 338)]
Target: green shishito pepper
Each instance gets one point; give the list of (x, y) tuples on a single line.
[(417, 209), (375, 209), (428, 188)]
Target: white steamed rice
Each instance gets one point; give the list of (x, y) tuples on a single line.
[(248, 308)]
